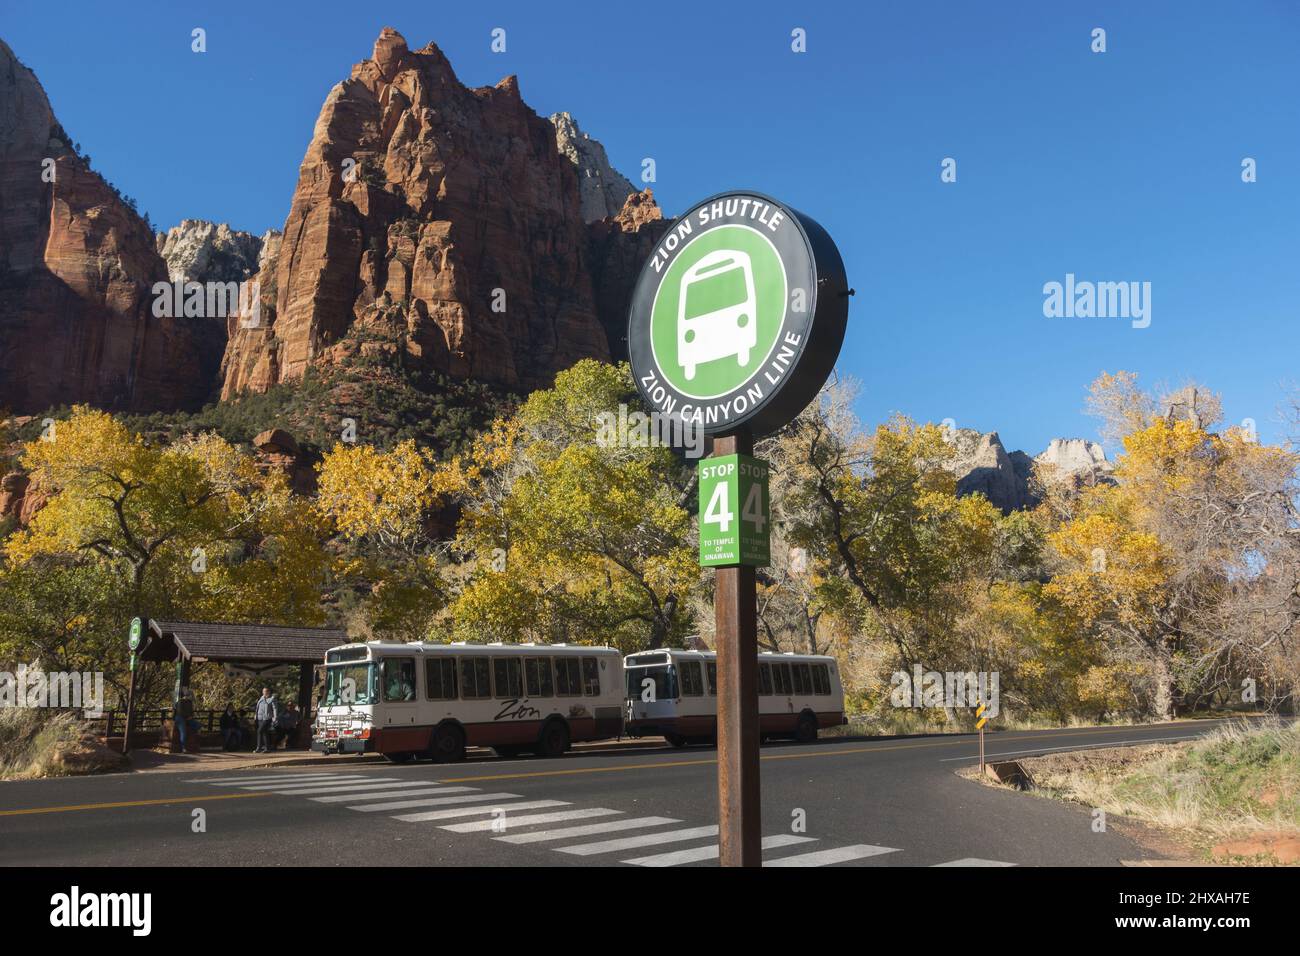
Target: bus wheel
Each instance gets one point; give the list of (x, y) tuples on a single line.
[(404, 756), (806, 731), (448, 744), (677, 740), (554, 740)]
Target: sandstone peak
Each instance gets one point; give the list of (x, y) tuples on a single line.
[(638, 210), (453, 200), (389, 52)]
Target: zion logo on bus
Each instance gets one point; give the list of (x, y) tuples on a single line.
[(738, 315)]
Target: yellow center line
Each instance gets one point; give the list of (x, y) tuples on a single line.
[(621, 768), (827, 752), (207, 797)]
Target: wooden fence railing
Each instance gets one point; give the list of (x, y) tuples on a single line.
[(113, 722)]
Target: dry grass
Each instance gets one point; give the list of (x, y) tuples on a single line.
[(1238, 782), (904, 721), (50, 743)]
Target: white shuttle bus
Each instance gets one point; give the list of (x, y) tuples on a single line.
[(675, 694), (434, 700)]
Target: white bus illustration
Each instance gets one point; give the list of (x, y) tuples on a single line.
[(716, 310)]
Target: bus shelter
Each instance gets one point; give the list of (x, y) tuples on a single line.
[(255, 649)]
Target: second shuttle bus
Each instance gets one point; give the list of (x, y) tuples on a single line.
[(674, 693)]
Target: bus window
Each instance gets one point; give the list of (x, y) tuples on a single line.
[(821, 679), (591, 676), (660, 686), (537, 675), (399, 679), (508, 676), (692, 685), (350, 684), (764, 680), (474, 678), (781, 679), (711, 672), (440, 678), (802, 682), (567, 681)]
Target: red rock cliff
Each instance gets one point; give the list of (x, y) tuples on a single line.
[(440, 212), (76, 269)]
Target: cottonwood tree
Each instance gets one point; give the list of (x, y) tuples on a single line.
[(189, 529), (1185, 565), (878, 513), (576, 532), (384, 505)]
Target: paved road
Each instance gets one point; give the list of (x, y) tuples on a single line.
[(865, 802)]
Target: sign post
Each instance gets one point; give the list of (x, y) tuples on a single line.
[(980, 721), (133, 642), (736, 321), (735, 613)]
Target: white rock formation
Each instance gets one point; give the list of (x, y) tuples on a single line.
[(603, 189), (983, 465), (1075, 455), (201, 251)]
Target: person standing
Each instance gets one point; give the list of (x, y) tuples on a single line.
[(183, 714), (264, 717)]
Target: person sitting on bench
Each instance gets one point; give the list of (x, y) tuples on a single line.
[(231, 735), (286, 725)]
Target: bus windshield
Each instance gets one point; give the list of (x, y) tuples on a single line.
[(713, 292), (350, 684), (661, 677)]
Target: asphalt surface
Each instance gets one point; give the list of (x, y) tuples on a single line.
[(861, 802)]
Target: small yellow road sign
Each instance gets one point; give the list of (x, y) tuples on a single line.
[(980, 719)]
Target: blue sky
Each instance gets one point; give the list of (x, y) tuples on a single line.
[(1115, 166)]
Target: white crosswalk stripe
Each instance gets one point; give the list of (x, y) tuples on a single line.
[(428, 790), (590, 829), (278, 780), (631, 843), (974, 861), (698, 853), (359, 786), (463, 812), (436, 801), (314, 784), (528, 820), (837, 855)]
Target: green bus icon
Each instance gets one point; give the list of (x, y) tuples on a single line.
[(716, 311)]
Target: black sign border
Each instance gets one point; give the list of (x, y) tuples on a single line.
[(829, 312)]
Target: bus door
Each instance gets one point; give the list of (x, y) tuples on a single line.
[(397, 686), (652, 693)]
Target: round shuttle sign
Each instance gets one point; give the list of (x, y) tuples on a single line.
[(738, 315)]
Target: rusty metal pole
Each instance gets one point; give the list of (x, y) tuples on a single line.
[(981, 751), (736, 617)]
